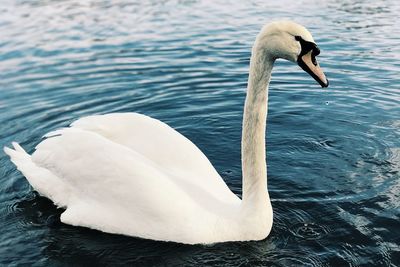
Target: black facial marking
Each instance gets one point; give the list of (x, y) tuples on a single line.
[(305, 48)]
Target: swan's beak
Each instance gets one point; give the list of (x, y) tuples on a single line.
[(308, 63)]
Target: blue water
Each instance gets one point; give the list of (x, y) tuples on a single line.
[(333, 154)]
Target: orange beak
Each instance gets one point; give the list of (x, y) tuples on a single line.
[(308, 63)]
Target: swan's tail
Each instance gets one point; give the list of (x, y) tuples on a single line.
[(41, 179), (18, 156)]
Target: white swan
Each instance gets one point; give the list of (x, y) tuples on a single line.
[(129, 174)]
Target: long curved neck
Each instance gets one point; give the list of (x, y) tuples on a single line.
[(254, 167)]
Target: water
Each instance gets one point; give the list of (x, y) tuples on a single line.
[(333, 154)]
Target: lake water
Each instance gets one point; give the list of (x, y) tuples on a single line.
[(333, 154)]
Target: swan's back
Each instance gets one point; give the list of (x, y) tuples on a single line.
[(163, 146)]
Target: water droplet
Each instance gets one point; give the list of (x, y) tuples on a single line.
[(308, 230)]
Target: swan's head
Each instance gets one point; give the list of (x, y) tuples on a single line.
[(291, 41)]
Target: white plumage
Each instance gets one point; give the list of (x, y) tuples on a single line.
[(129, 174)]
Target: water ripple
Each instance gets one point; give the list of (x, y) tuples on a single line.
[(333, 154)]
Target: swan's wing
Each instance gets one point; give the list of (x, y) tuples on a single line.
[(109, 179), (163, 146), (113, 188)]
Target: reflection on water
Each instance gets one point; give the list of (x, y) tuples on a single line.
[(333, 154)]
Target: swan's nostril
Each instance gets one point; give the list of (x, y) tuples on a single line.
[(314, 60)]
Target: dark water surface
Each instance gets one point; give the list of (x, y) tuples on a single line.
[(333, 154)]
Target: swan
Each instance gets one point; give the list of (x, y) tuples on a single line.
[(126, 173)]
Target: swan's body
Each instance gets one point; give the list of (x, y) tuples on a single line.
[(130, 174)]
